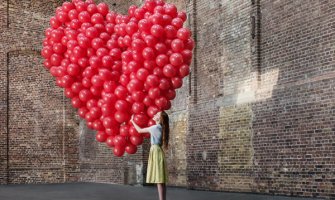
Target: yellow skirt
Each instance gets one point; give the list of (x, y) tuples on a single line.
[(156, 171)]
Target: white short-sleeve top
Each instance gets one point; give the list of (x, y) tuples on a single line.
[(155, 134)]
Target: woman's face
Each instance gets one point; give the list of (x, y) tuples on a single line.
[(157, 117)]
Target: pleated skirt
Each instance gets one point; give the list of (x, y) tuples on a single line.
[(156, 171)]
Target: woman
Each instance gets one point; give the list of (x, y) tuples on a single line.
[(159, 136)]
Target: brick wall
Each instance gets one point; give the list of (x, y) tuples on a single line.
[(256, 113)]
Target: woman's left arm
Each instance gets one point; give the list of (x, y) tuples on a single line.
[(139, 129)]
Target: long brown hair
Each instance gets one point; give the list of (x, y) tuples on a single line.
[(164, 122)]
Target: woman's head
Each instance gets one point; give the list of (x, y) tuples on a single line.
[(163, 119)]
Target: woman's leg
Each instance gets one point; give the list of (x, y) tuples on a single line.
[(161, 191)]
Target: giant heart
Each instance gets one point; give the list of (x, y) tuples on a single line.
[(113, 66)]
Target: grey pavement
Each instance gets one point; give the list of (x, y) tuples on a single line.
[(97, 191)]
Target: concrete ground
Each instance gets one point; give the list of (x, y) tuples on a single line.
[(97, 191)]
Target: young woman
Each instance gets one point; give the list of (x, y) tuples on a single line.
[(159, 136)]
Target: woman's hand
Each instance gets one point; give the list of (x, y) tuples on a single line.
[(132, 118)]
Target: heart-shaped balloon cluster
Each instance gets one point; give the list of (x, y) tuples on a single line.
[(113, 66)]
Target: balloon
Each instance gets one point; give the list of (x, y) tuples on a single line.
[(121, 116), (124, 130), (162, 60), (184, 70), (170, 94), (176, 59), (101, 136), (82, 112), (85, 95), (157, 31), (141, 119), (121, 105), (120, 92), (136, 140), (169, 71), (183, 33), (131, 149), (110, 141), (161, 102), (176, 82), (170, 31), (152, 110), (118, 151), (109, 122), (76, 103), (138, 107)]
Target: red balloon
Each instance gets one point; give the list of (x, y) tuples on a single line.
[(86, 82), (107, 110), (162, 60), (136, 140), (97, 81), (85, 95), (176, 82), (138, 96), (55, 59), (121, 105), (161, 102), (68, 93), (120, 141), (110, 141), (138, 107), (84, 16), (148, 53), (97, 125), (148, 101), (170, 94), (73, 69), (105, 75), (142, 74), (176, 59), (109, 122), (67, 81), (177, 45), (91, 103), (135, 85), (170, 31), (109, 86), (121, 116), (183, 33), (157, 31), (82, 112), (154, 93), (169, 71), (76, 103), (76, 87), (131, 149), (101, 136), (164, 84), (152, 80), (150, 40), (170, 9), (141, 119), (47, 52), (187, 55), (124, 130), (96, 90), (184, 70), (119, 151), (54, 22), (92, 8), (103, 8), (121, 92), (177, 22), (152, 110)]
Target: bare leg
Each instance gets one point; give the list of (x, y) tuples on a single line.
[(161, 191)]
